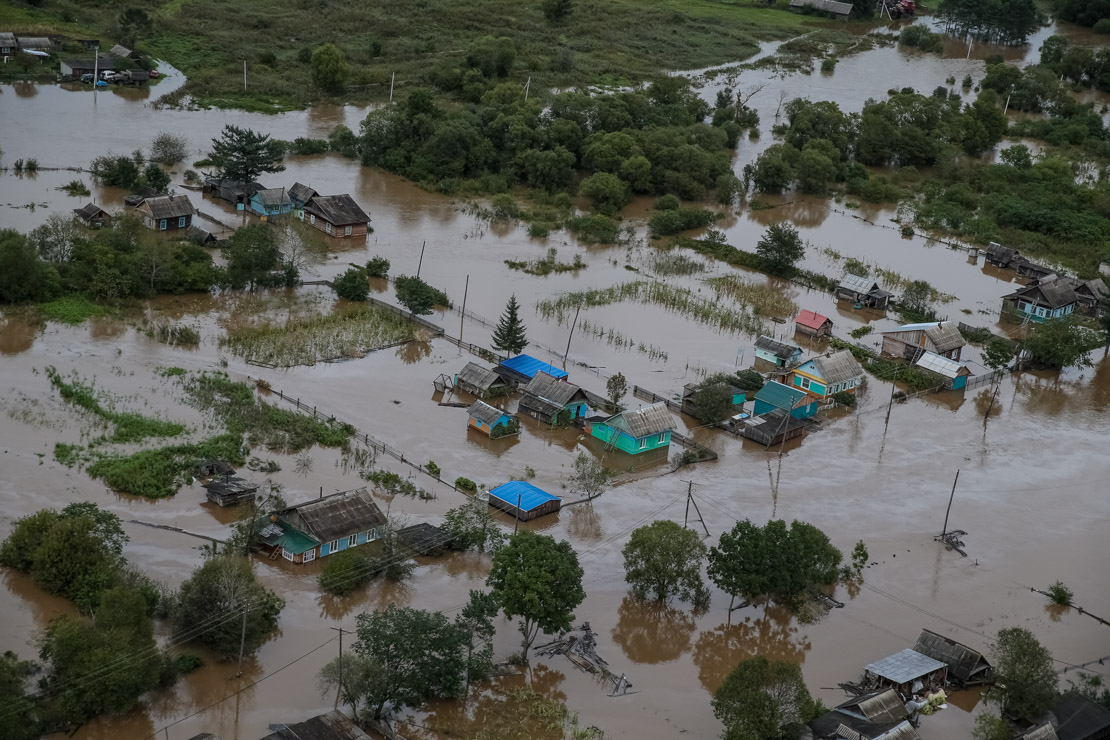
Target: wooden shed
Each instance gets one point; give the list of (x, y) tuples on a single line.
[(966, 667), (167, 212), (337, 215), (908, 672), (490, 420), (228, 490), (813, 324), (832, 7), (523, 501), (552, 400), (954, 373), (478, 380), (772, 428), (908, 341), (1001, 256), (863, 291), (91, 215)]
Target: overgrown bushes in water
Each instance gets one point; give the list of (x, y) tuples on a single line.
[(548, 264), (174, 334), (347, 571), (915, 379), (594, 228), (159, 472), (304, 146), (393, 484), (508, 429), (921, 37), (128, 426), (466, 484), (377, 267), (672, 221), (352, 285)]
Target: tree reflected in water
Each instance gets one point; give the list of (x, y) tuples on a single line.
[(652, 632), (771, 634)]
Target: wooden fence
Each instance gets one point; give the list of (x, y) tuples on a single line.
[(653, 397)]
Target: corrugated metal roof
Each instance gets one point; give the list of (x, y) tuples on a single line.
[(935, 363), (339, 210), (528, 495), (528, 366), (644, 421), (485, 413), (552, 389), (781, 350), (963, 662), (779, 395), (904, 731), (812, 319), (878, 706), (1040, 732), (90, 211), (904, 666), (301, 193), (1080, 718), (169, 206), (273, 197), (331, 726), (478, 377), (337, 515), (838, 367), (858, 283)]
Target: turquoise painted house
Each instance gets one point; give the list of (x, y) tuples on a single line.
[(271, 202), (323, 527), (826, 376), (1050, 297), (779, 354), (489, 420), (776, 396), (955, 373), (636, 430)]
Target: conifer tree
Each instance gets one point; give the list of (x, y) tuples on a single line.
[(509, 335)]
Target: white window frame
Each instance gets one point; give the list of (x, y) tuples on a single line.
[(348, 230), (287, 555), (352, 541), (643, 443), (328, 227), (805, 382), (333, 547), (162, 225), (373, 534), (309, 556), (181, 223), (312, 218), (662, 438)]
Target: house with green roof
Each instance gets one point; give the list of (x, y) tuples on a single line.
[(774, 396)]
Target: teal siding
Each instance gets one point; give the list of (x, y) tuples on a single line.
[(627, 443), (814, 386), (959, 382), (800, 412)]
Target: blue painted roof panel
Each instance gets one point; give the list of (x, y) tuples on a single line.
[(528, 366), (530, 497)]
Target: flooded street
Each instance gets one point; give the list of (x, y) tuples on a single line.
[(1032, 481)]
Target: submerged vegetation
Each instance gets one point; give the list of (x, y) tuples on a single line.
[(127, 426), (547, 264), (765, 301)]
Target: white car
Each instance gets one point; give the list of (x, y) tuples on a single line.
[(110, 76)]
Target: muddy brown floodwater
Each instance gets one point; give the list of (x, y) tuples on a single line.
[(1031, 494)]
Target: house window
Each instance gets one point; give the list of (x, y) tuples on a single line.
[(662, 438), (352, 540), (162, 225), (372, 534), (347, 230), (309, 556), (149, 223), (333, 547), (1040, 311), (181, 223), (287, 555), (312, 218), (805, 383), (643, 443)]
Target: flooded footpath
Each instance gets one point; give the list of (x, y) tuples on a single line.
[(1032, 479)]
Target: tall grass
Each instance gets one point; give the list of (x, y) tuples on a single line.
[(128, 426), (614, 338), (764, 301)]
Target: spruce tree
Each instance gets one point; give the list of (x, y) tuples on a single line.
[(509, 335)]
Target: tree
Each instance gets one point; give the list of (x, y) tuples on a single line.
[(990, 726), (663, 560), (557, 10), (168, 148), (509, 336), (56, 239), (19, 719), (1060, 343), (252, 256), (156, 178), (1025, 682), (377, 267), (539, 580), (915, 300), (24, 277), (475, 622), (712, 401), (242, 155), (472, 525), (763, 700), (998, 353), (860, 556), (133, 23), (616, 387), (780, 247), (329, 68), (419, 655), (347, 571), (224, 586), (355, 676), (590, 476), (116, 171), (608, 192), (415, 295), (352, 285)]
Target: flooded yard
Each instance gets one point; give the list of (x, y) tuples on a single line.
[(1032, 480)]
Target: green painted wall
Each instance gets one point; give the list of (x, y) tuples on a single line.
[(628, 444)]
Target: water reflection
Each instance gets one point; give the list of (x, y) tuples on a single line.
[(652, 632), (771, 634), (413, 352), (584, 523), (17, 334)]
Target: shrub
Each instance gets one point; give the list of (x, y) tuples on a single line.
[(1060, 594), (168, 148), (347, 571), (844, 398), (1102, 25), (664, 223), (668, 202), (377, 267), (352, 285), (828, 64), (595, 228), (432, 468), (466, 484), (922, 38)]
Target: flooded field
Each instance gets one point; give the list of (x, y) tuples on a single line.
[(1031, 493)]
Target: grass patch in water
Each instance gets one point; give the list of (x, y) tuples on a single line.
[(129, 426), (160, 472), (763, 300), (72, 310), (349, 331), (914, 378)]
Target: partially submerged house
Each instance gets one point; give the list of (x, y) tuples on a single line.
[(1089, 295), (908, 672), (828, 375), (909, 341), (200, 236), (779, 354), (478, 380), (167, 212), (229, 490), (521, 369), (300, 194), (1048, 298), (955, 373), (872, 715), (91, 215), (424, 538), (236, 192), (270, 202), (8, 45), (73, 67), (550, 399), (966, 667), (689, 391), (489, 420), (795, 401), (863, 292), (1080, 718), (636, 430), (813, 324), (1001, 256), (331, 726), (832, 7), (772, 427), (523, 501), (337, 215), (323, 526)]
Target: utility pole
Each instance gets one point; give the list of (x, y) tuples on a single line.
[(527, 85), (339, 689), (391, 81), (690, 500), (242, 641), (462, 314), (572, 325), (421, 262), (893, 387), (951, 496), (516, 524), (951, 539), (244, 74)]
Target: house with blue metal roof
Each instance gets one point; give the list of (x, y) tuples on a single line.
[(522, 368), (523, 501), (774, 396)]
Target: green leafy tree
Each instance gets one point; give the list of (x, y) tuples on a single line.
[(419, 655), (347, 571), (916, 300), (56, 239), (252, 257), (415, 294), (608, 192), (1061, 343), (590, 476), (168, 148), (998, 353), (509, 335), (989, 726), (764, 700), (377, 267), (557, 10), (356, 678), (1025, 682), (226, 585), (352, 285), (539, 580), (475, 622), (19, 719), (472, 526), (616, 388), (712, 401), (860, 556), (133, 24), (329, 68), (242, 154), (663, 560), (156, 178), (24, 277), (780, 248)]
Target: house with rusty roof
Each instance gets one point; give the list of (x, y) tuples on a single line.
[(323, 526), (966, 667), (337, 215), (166, 212), (550, 399), (1051, 297), (827, 375), (908, 341), (636, 430)]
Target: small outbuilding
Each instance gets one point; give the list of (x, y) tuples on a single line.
[(813, 324), (779, 354), (523, 501), (1080, 718), (91, 215), (424, 538), (73, 67), (550, 400), (200, 236), (236, 192), (521, 369), (489, 420), (337, 215), (1001, 256), (828, 375), (167, 212), (636, 430), (775, 395), (910, 340), (908, 672), (966, 667), (229, 490), (270, 202), (331, 726), (832, 7), (35, 43), (873, 715), (121, 51), (772, 428), (300, 194), (955, 373), (8, 44), (863, 291), (478, 380)]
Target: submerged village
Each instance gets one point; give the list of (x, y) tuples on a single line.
[(560, 370)]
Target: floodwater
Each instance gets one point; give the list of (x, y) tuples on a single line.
[(1031, 491)]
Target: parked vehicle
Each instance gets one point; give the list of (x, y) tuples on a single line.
[(110, 76), (87, 77), (155, 73)]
